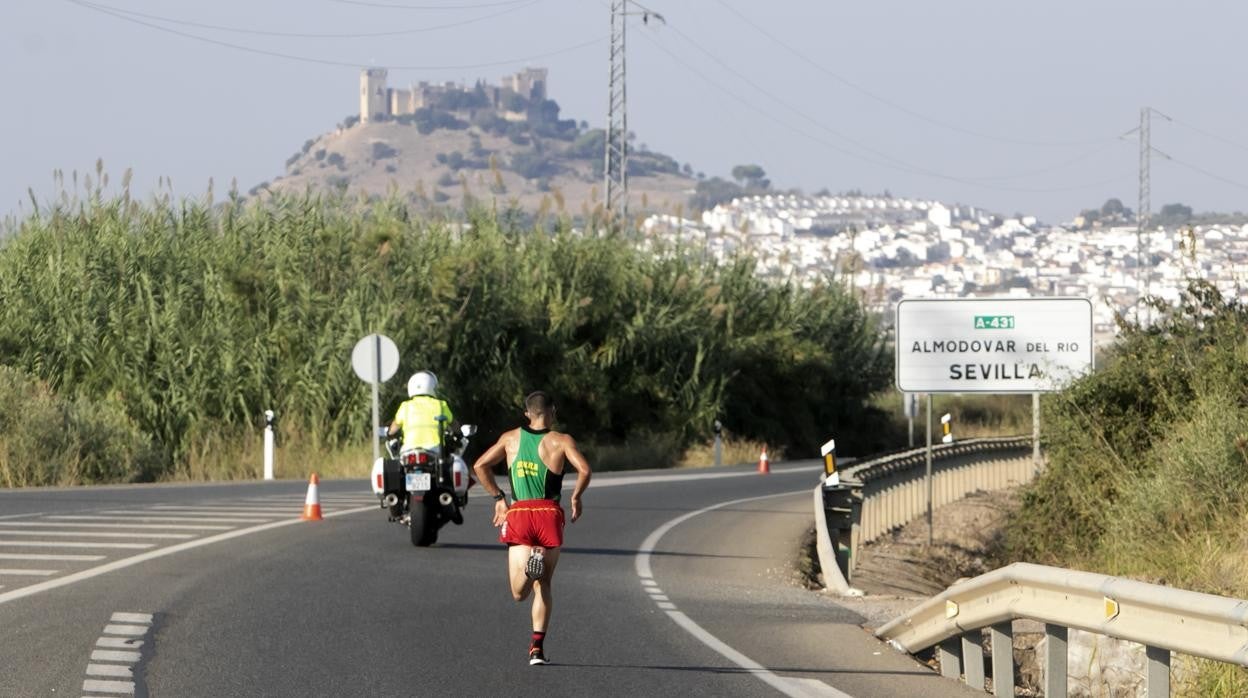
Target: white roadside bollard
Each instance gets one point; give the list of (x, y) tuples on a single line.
[(269, 419)]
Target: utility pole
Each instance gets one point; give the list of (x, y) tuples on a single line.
[(1142, 212), (615, 163), (615, 166)]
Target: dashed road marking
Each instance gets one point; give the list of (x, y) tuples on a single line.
[(117, 667), (790, 686), (97, 534), (75, 544), (11, 525), (57, 558), (9, 572), (138, 517)]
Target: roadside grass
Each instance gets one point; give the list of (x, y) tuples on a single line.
[(973, 415), (1147, 473), (735, 450)]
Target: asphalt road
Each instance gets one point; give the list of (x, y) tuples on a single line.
[(672, 583)]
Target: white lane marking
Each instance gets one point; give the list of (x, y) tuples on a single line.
[(159, 552), (649, 583), (18, 572), (115, 656), (229, 510), (119, 643), (8, 525), (118, 687), (660, 597), (57, 558), (62, 544), (146, 516), (119, 671), (128, 630), (796, 688), (97, 534), (19, 516), (137, 618), (570, 482)]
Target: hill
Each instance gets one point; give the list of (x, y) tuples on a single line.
[(442, 157)]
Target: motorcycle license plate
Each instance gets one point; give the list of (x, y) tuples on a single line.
[(419, 482)]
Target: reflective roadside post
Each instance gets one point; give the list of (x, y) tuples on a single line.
[(946, 428), (269, 420), (719, 443)]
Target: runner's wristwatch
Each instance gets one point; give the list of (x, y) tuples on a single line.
[(500, 496)]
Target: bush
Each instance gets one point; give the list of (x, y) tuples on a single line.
[(51, 440), (189, 321), (381, 151)]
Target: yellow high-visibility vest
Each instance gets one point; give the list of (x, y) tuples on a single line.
[(417, 418)]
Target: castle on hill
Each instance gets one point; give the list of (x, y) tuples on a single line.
[(379, 102)]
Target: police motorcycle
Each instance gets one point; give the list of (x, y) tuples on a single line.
[(422, 488)]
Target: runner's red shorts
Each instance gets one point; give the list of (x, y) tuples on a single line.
[(537, 522)]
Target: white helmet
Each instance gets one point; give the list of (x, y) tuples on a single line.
[(422, 383)]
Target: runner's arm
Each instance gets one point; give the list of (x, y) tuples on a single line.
[(485, 475), (583, 473)]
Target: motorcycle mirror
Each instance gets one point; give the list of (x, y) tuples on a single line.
[(440, 418), (468, 429)]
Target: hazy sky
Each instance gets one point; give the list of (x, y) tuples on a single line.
[(1012, 106)]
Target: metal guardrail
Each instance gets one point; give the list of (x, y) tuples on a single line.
[(887, 491), (1162, 619)]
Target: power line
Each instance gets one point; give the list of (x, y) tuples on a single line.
[(399, 6), (303, 35), (1207, 134), (894, 105), (889, 162), (1202, 171), (325, 61)]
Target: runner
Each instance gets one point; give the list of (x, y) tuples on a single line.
[(532, 527)]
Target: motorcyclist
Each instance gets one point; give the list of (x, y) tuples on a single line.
[(418, 415)]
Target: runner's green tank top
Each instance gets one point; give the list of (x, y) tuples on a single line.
[(530, 478)]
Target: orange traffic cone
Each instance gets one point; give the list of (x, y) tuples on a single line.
[(312, 505), (764, 466)]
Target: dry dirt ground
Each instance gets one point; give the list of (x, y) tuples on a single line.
[(967, 542)]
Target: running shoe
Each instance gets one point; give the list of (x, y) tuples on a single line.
[(537, 656), (536, 565)]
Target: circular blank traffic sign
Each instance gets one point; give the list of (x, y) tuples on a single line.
[(375, 358)]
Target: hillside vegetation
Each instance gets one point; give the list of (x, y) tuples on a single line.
[(459, 153), (145, 340), (1148, 463)]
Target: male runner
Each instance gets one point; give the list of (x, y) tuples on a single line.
[(532, 527)]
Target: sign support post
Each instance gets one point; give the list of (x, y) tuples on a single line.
[(376, 398), (1035, 430), (374, 359), (930, 533)]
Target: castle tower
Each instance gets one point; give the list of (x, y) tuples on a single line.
[(373, 99)]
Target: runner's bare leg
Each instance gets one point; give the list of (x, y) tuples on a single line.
[(517, 557), (544, 600)]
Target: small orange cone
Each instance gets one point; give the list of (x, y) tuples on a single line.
[(312, 505), (764, 466)]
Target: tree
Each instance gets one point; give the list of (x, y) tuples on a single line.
[(750, 176), (1176, 213), (1113, 207)]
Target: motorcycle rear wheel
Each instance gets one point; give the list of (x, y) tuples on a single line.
[(423, 524)]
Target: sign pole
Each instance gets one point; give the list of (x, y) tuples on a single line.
[(1035, 430), (376, 400), (930, 534)]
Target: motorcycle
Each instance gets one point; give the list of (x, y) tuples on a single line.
[(423, 488)]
